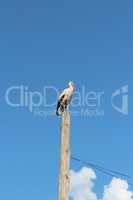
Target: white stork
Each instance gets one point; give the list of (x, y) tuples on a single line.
[(65, 98)]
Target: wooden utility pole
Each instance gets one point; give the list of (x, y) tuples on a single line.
[(64, 157)]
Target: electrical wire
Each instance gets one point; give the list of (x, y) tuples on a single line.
[(104, 170)]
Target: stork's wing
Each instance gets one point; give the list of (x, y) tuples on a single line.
[(57, 108), (60, 101), (60, 104)]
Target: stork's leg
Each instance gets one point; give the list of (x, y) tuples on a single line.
[(66, 103), (63, 106)]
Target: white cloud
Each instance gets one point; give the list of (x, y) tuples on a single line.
[(82, 183), (117, 190)]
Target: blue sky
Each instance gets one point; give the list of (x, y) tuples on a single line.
[(46, 43)]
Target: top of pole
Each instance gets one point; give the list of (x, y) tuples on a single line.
[(65, 118)]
